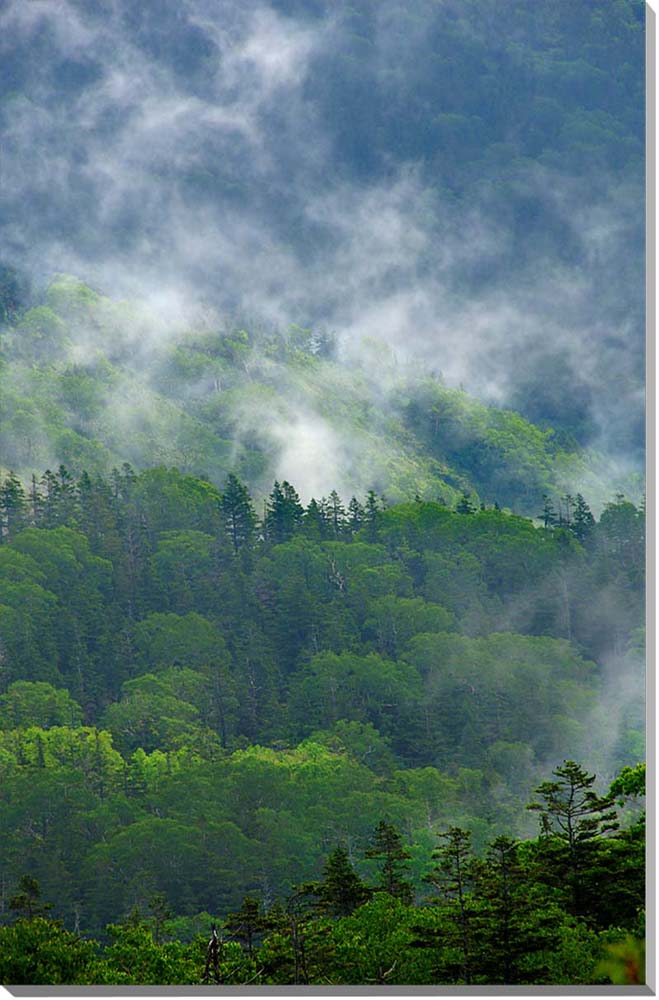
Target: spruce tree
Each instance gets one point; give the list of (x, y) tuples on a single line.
[(283, 514), (13, 507), (548, 517), (371, 516), (387, 845), (238, 515), (464, 505), (246, 923), (337, 515), (454, 877), (355, 515), (341, 890), (582, 519), (572, 817)]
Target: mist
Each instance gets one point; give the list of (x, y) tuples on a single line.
[(193, 157)]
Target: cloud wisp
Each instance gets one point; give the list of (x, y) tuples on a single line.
[(185, 154)]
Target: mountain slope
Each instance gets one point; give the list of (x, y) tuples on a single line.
[(90, 383)]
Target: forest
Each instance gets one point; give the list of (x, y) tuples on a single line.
[(211, 716), (322, 493)]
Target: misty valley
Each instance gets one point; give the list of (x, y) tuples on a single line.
[(308, 722), (322, 496)]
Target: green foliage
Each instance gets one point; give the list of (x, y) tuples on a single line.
[(135, 957), (387, 846), (35, 703), (383, 638), (41, 951)]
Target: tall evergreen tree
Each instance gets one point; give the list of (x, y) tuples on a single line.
[(355, 515), (337, 515), (548, 517), (454, 876), (572, 816), (464, 505), (247, 923), (13, 507), (284, 513), (371, 516), (582, 519), (341, 890), (238, 515), (387, 845)]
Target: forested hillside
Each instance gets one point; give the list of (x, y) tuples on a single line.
[(192, 691), (463, 181), (322, 507), (91, 383)]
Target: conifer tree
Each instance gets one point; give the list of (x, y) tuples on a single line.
[(582, 520), (387, 845), (336, 515), (464, 505), (454, 876), (13, 507), (355, 515), (283, 513), (246, 923), (370, 517), (27, 901), (238, 515), (572, 816), (341, 890), (548, 516)]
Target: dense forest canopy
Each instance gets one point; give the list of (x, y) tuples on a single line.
[(322, 515), (200, 703)]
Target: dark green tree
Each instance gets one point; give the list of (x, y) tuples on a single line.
[(454, 876), (337, 515), (371, 516), (341, 890), (355, 515), (13, 507), (238, 515), (548, 515), (387, 846), (464, 505), (27, 902), (582, 519), (284, 513), (247, 923), (572, 820)]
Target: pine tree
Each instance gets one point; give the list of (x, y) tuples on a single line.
[(316, 519), (246, 923), (387, 844), (27, 901), (582, 520), (548, 516), (464, 505), (565, 521), (13, 507), (238, 515), (283, 514), (35, 503), (337, 515), (341, 890), (355, 515), (571, 817), (515, 923), (371, 516), (454, 877)]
